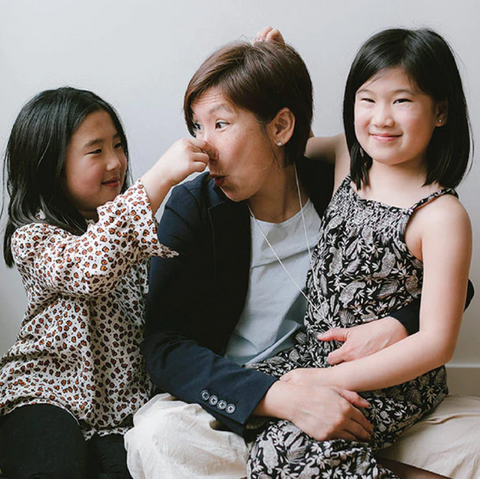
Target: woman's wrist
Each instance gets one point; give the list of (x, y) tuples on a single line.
[(277, 401)]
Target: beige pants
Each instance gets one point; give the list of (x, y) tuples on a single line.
[(175, 440)]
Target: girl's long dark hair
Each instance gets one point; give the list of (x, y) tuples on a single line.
[(35, 158), (430, 63)]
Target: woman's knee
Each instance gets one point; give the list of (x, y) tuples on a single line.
[(149, 434)]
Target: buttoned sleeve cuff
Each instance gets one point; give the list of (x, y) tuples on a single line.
[(237, 415)]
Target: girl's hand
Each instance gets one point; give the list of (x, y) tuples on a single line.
[(319, 377), (363, 340), (269, 34), (183, 158)]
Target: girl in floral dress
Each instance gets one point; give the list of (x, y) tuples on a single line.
[(80, 239), (393, 231)]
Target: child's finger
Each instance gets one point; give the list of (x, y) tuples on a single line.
[(205, 148), (199, 166), (274, 35), (334, 334), (261, 36)]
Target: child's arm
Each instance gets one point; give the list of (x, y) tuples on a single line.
[(445, 241), (183, 158), (334, 150), (125, 233)]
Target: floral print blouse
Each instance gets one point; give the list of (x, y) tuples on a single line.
[(78, 346)]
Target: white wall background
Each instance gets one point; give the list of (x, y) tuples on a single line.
[(139, 55)]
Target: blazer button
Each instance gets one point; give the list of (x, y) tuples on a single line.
[(222, 405), (205, 395), (231, 408), (213, 400)]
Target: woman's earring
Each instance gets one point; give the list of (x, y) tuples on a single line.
[(279, 143), (439, 120)]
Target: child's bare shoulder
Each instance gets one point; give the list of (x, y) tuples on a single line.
[(444, 212)]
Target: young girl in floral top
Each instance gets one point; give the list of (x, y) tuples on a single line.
[(80, 239)]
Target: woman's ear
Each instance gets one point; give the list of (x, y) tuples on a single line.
[(282, 126), (441, 112)]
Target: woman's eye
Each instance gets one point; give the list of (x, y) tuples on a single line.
[(367, 100), (221, 124)]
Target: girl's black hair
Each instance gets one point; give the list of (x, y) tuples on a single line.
[(430, 63), (35, 159)]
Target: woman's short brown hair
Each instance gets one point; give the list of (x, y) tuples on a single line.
[(261, 78)]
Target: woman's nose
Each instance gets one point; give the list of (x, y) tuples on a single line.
[(209, 137), (206, 135)]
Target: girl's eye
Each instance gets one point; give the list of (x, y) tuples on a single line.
[(367, 100), (403, 100), (95, 152), (221, 124), (118, 145)]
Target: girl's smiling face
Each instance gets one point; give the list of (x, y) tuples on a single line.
[(246, 160), (95, 165), (394, 120)]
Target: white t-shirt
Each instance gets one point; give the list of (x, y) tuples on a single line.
[(274, 307)]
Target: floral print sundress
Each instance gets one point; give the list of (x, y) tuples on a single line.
[(361, 271)]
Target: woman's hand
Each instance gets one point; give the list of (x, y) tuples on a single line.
[(269, 34), (324, 413), (183, 158)]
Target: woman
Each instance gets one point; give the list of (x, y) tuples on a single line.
[(241, 236)]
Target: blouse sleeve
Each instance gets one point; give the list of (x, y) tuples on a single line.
[(93, 263)]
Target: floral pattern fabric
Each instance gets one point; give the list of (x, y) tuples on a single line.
[(78, 346), (361, 271)]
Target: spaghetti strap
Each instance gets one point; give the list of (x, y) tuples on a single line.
[(436, 194)]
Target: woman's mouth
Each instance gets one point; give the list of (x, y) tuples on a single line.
[(219, 180)]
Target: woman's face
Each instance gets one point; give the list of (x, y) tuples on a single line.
[(246, 159)]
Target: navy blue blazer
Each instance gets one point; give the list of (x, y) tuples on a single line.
[(195, 300)]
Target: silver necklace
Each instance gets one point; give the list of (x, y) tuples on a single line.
[(306, 239)]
